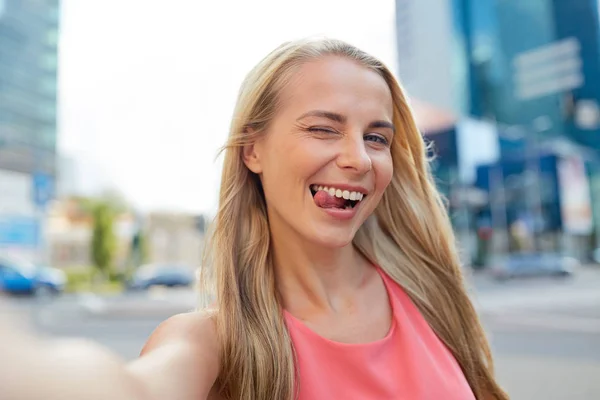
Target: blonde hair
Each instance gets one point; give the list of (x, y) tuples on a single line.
[(409, 236)]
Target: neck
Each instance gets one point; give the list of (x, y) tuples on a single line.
[(312, 277)]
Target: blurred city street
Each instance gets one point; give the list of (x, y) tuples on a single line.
[(109, 182), (545, 331), (545, 335)]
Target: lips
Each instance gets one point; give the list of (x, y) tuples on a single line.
[(333, 197)]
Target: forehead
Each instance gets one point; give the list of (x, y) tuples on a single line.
[(337, 84)]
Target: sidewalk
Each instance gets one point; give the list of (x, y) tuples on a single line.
[(140, 305), (533, 299), (483, 279), (491, 295), (527, 378)]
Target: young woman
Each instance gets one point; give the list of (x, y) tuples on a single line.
[(335, 269)]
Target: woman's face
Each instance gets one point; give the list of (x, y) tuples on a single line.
[(325, 160)]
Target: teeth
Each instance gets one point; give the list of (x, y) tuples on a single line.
[(342, 194)]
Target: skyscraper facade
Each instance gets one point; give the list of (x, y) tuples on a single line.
[(28, 84), (28, 119), (532, 70)]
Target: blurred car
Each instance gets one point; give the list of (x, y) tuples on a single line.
[(167, 275), (51, 280), (534, 264), (22, 277)]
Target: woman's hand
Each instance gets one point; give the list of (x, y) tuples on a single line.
[(180, 361), (32, 368)]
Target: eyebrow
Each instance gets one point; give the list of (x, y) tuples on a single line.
[(339, 118), (382, 124), (324, 114)]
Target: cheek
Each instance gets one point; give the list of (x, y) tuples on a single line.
[(294, 161), (384, 169), (287, 168)]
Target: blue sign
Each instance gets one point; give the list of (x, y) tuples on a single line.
[(43, 189), (19, 231)]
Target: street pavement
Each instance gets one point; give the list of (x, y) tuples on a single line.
[(545, 332)]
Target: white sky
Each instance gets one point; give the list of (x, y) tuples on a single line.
[(147, 87)]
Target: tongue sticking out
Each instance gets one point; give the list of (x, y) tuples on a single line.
[(325, 200)]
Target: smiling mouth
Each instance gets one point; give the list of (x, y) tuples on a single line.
[(331, 197)]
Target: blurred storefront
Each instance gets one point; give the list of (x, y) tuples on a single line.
[(176, 238), (28, 88), (457, 146), (172, 238), (69, 235), (550, 212)]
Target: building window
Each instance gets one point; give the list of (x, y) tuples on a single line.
[(52, 37), (54, 14), (49, 61), (48, 86), (47, 110)]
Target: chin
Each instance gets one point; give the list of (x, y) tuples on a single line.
[(333, 238)]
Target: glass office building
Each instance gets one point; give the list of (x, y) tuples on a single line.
[(28, 84), (28, 114), (533, 59), (531, 69)]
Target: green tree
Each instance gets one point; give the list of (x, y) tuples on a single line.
[(110, 198), (104, 242)]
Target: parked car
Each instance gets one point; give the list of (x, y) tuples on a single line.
[(19, 276), (51, 280), (162, 275), (534, 264)]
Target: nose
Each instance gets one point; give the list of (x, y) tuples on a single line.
[(353, 156)]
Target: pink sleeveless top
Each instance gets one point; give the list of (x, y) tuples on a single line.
[(410, 363)]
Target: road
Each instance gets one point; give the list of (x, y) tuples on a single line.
[(545, 333)]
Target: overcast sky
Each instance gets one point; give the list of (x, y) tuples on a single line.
[(147, 87)]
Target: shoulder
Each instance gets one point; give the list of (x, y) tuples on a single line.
[(194, 330), (181, 358)]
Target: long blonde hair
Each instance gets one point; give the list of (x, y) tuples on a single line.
[(409, 236)]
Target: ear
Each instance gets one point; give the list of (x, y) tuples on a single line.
[(251, 155)]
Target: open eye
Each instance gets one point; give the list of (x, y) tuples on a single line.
[(377, 139)]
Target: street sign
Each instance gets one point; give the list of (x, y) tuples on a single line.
[(43, 189), (549, 69)]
